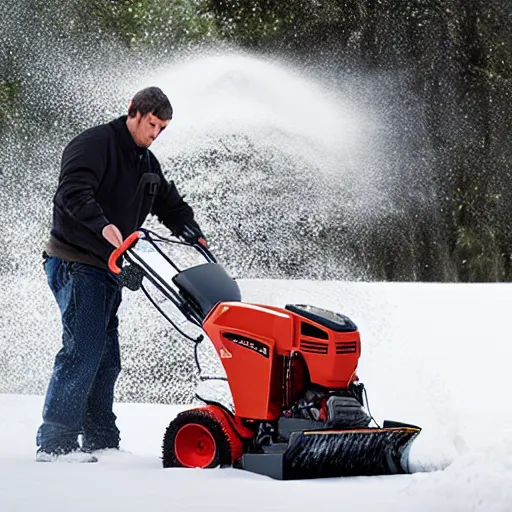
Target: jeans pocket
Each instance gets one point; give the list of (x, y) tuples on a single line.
[(58, 273)]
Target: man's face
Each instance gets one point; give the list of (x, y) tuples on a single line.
[(146, 129)]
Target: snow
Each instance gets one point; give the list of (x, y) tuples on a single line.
[(435, 355)]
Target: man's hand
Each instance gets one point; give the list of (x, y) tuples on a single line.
[(113, 235), (193, 235)]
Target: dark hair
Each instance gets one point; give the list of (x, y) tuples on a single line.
[(151, 100)]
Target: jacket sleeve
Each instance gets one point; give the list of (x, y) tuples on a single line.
[(83, 165), (170, 207)]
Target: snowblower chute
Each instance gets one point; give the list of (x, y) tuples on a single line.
[(299, 409)]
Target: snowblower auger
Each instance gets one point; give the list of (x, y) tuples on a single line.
[(299, 409), (330, 453)]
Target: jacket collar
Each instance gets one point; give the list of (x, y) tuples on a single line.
[(125, 136)]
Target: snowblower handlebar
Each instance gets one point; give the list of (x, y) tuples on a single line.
[(117, 253), (200, 245), (136, 267)]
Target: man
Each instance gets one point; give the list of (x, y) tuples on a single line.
[(109, 183)]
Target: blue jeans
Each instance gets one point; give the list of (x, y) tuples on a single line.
[(80, 394)]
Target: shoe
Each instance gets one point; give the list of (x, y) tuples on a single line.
[(90, 444), (77, 455), (110, 451), (89, 448)]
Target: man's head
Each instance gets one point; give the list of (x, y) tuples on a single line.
[(149, 113)]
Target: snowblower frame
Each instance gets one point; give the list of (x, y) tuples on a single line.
[(299, 408)]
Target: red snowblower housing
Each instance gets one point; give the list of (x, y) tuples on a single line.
[(299, 410), (256, 343)]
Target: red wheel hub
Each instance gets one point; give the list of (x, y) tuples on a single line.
[(194, 446)]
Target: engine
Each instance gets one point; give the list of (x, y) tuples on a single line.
[(340, 409)]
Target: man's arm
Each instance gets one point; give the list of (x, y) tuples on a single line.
[(173, 211), (82, 169)]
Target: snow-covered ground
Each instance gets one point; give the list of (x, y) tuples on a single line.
[(436, 355)]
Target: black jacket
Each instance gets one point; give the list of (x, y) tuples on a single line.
[(107, 179)]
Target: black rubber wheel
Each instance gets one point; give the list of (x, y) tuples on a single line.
[(194, 439)]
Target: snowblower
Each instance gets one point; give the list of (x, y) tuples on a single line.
[(299, 411)]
